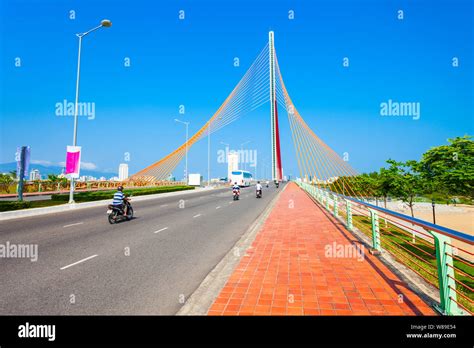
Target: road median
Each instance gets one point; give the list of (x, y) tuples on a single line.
[(23, 213)]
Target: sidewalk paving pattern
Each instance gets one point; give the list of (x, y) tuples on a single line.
[(286, 270)]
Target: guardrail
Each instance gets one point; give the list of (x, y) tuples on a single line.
[(437, 254)]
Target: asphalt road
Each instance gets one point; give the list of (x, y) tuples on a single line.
[(149, 265)]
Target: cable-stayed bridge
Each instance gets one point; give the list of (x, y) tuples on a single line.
[(262, 84), (334, 185)]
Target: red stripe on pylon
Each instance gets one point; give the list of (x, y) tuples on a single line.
[(277, 144)]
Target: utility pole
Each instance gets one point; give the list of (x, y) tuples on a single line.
[(187, 133), (103, 24), (21, 174), (209, 156)]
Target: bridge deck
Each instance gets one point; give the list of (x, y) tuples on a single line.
[(289, 270)]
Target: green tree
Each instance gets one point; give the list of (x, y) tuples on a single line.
[(53, 178), (385, 181), (6, 179), (450, 168), (407, 181)]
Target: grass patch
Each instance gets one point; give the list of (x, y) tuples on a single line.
[(45, 203)]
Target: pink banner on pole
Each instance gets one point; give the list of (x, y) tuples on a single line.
[(73, 161)]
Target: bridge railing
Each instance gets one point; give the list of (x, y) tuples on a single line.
[(441, 256)]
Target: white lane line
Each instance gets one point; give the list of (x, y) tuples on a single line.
[(75, 263), (164, 205), (77, 223), (218, 207), (165, 228), (198, 215)]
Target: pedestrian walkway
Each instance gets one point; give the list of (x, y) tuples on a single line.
[(303, 262)]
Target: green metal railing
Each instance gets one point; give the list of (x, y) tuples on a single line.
[(433, 252)]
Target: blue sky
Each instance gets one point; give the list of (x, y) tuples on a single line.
[(190, 62)]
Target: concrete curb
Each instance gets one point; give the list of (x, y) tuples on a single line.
[(17, 214), (204, 296)]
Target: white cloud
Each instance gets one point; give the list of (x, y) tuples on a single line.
[(84, 165), (42, 162), (88, 165)]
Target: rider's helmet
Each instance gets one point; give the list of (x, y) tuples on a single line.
[(120, 188), (235, 183), (258, 182)]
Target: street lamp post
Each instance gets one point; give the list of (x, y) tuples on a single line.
[(433, 206), (187, 125), (106, 24), (242, 151), (227, 158), (209, 156)]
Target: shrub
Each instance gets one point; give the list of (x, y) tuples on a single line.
[(14, 205)]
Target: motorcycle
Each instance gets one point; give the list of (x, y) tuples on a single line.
[(236, 194), (277, 184), (116, 213), (259, 193)]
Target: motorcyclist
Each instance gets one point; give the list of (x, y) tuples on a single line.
[(267, 183), (258, 187), (236, 187), (119, 199)]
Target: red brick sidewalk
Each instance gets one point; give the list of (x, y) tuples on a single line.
[(286, 271)]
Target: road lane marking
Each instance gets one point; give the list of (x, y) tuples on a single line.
[(198, 215), (164, 205), (218, 207), (75, 263), (77, 223), (165, 228)]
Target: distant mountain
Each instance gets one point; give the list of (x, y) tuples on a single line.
[(45, 170)]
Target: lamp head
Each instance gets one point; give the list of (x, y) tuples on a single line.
[(106, 23)]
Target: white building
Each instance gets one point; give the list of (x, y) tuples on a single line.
[(35, 175), (123, 171), (232, 163)]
